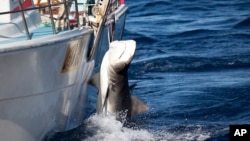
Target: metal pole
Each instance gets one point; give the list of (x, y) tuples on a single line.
[(51, 17), (99, 31), (24, 20), (66, 12), (77, 14)]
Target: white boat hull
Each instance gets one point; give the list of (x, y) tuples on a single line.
[(37, 95)]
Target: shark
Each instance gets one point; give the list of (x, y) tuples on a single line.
[(112, 82)]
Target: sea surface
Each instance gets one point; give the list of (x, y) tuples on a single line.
[(191, 67)]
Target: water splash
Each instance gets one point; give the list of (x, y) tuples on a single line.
[(100, 127), (107, 128)]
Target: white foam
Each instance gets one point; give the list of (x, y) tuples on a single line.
[(192, 135), (107, 128)]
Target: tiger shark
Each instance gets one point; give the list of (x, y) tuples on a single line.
[(112, 81)]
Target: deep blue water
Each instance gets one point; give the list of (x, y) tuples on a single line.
[(191, 67)]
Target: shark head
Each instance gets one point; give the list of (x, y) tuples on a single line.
[(121, 54)]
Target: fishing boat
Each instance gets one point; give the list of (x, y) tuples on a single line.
[(49, 49)]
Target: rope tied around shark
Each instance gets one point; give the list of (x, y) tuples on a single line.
[(112, 82)]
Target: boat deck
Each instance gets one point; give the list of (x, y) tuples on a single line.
[(41, 31)]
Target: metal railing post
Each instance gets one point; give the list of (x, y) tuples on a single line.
[(24, 20), (77, 14), (51, 17), (66, 12)]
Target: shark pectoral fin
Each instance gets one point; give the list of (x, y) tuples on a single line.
[(95, 80), (137, 106)]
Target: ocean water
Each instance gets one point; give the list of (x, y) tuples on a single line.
[(191, 67)]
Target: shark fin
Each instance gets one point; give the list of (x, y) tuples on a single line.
[(137, 106), (95, 80)]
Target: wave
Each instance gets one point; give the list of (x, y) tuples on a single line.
[(156, 3), (195, 8), (140, 8), (195, 32), (240, 36), (187, 64), (243, 24), (138, 37), (196, 134)]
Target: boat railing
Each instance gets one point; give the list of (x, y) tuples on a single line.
[(49, 5), (48, 8)]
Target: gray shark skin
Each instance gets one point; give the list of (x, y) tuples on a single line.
[(114, 96)]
